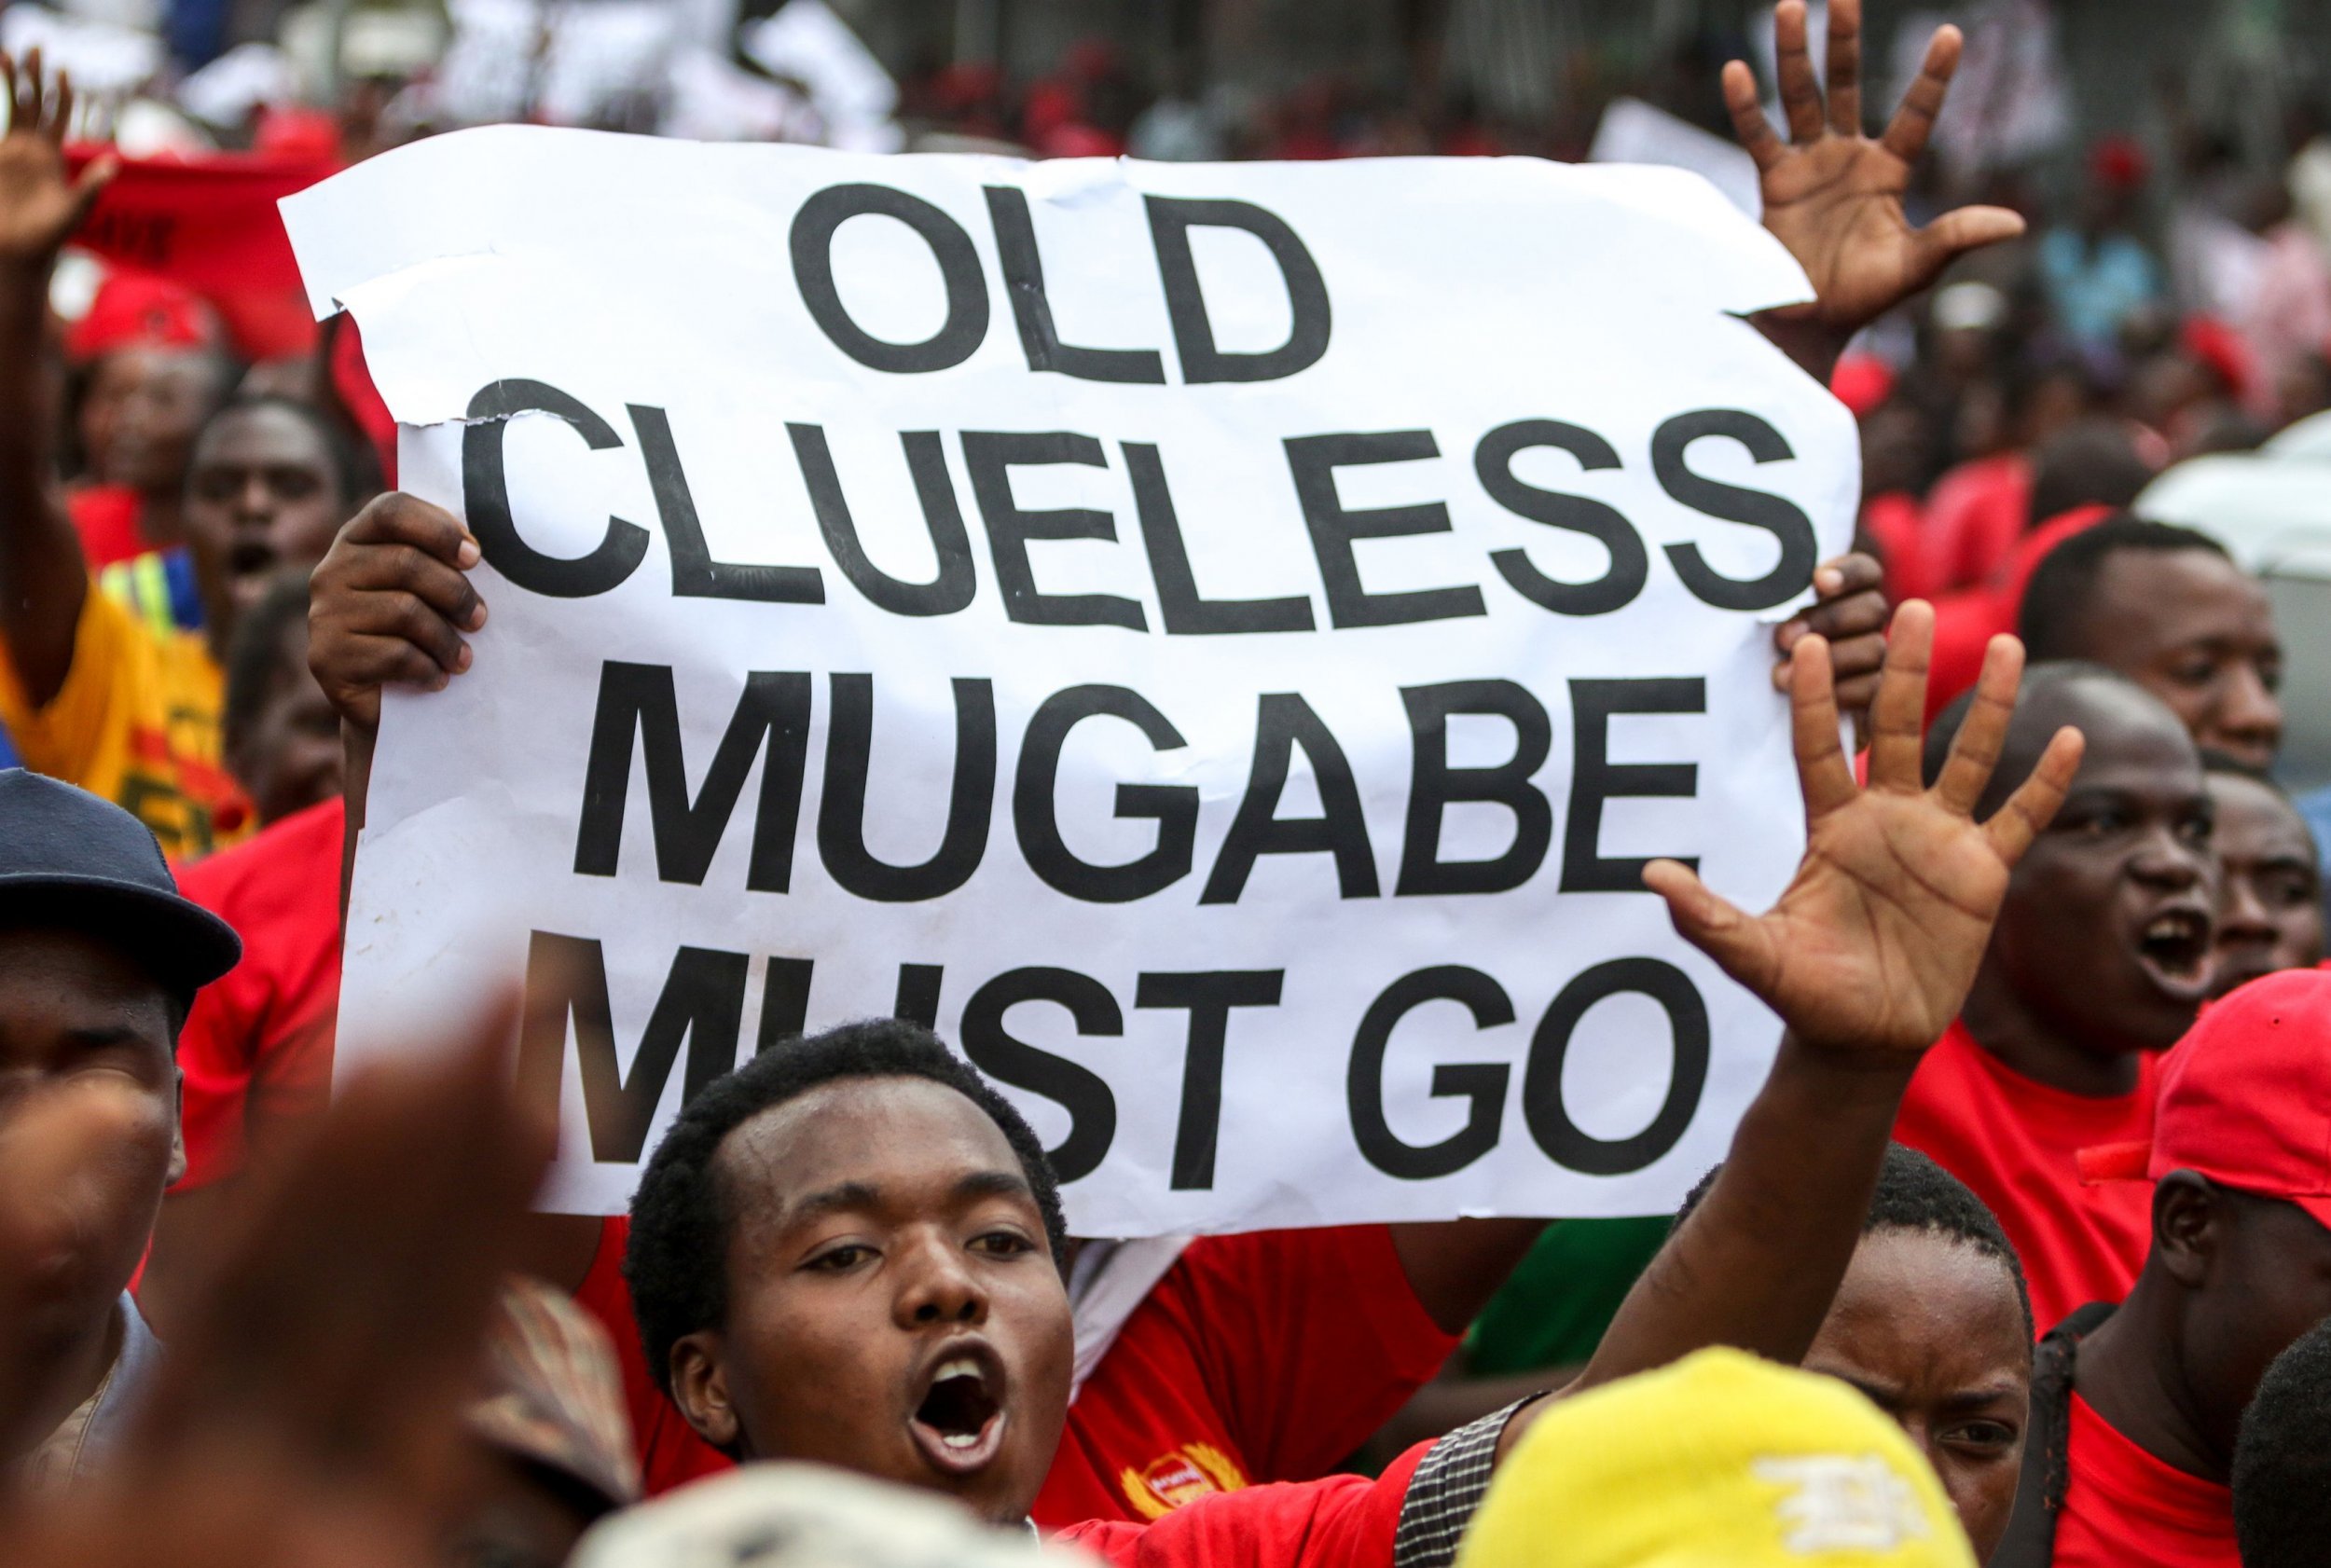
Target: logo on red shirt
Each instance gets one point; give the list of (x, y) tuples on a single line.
[(1180, 1477)]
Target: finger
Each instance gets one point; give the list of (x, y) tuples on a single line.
[(61, 109), (1983, 736), (1740, 947), (383, 567), (1897, 714), (1959, 232), (1856, 571), (1845, 67), (92, 185), (398, 518), (358, 664), (403, 617), (2034, 805), (1748, 122), (1824, 777), (1800, 93), (1915, 122), (1860, 615), (32, 98)]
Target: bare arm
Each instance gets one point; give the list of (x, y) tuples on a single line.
[(1867, 957), (42, 577)]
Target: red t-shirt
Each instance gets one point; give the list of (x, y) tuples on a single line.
[(106, 518), (1343, 1521), (2123, 1506), (1257, 1358), (257, 1043), (2017, 1142)]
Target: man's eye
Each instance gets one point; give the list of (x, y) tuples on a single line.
[(1986, 1434), (2101, 824), (2193, 672), (839, 1260), (1004, 1244)]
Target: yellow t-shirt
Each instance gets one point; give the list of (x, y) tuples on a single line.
[(137, 721)]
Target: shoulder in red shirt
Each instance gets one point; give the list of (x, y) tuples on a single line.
[(2016, 1142), (1343, 1521), (2122, 1506), (257, 1043), (1258, 1358)]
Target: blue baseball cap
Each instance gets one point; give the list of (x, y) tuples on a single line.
[(71, 860)]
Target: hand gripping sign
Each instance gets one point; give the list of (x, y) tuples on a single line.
[(1218, 642)]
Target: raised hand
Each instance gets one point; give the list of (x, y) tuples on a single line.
[(1872, 948), (1834, 195), (39, 207), (390, 601)]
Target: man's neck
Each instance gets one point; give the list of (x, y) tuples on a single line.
[(2129, 1372), (57, 1376), (2011, 1031)]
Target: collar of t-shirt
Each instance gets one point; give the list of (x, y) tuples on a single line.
[(1109, 1280), (2141, 1501), (86, 1440)]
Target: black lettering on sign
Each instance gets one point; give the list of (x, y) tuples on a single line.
[(1171, 219), (917, 997), (1564, 1142), (1434, 786), (1186, 612), (1776, 515), (990, 457), (994, 1051), (1630, 563), (1173, 807), (1208, 997), (695, 574), (486, 496), (958, 337), (784, 1002), (950, 541), (140, 239), (1480, 1084), (1595, 778), (702, 1004), (842, 809), (1032, 307), (771, 722), (1312, 461), (1283, 721)]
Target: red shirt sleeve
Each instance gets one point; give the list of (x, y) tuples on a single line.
[(1343, 1521)]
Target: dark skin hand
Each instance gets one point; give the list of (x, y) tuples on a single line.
[(42, 578), (1867, 957), (1833, 196), (310, 1408)]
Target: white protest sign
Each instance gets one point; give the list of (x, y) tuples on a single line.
[(1218, 640)]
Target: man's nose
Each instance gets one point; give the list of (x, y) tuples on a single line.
[(2242, 915), (2251, 714), (939, 1286), (2168, 863)]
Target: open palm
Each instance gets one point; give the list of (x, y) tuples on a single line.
[(1873, 945), (39, 206), (1833, 195)]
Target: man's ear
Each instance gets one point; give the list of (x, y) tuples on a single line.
[(699, 1386), (177, 1131), (2189, 1219)]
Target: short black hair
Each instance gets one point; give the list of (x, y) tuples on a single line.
[(1919, 1196), (677, 1261), (2282, 1460), (2028, 732), (255, 662), (2092, 461), (2057, 598), (356, 468)]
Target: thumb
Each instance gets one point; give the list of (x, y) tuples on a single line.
[(1713, 924), (1963, 229), (92, 183)]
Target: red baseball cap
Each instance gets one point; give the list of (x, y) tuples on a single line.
[(136, 310), (2245, 1098)]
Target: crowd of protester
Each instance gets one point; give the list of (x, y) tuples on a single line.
[(2020, 1255)]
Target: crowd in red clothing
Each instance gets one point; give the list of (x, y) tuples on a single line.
[(2063, 942)]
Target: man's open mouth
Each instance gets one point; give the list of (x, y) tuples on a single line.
[(959, 1422), (250, 558), (2175, 946)]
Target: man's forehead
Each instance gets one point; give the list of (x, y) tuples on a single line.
[(883, 1133), (2139, 585)]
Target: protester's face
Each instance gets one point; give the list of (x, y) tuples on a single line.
[(80, 1022), (2270, 908), (149, 403), (2266, 1282), (1933, 1332), (290, 756), (262, 495), (2197, 632), (893, 1306), (2105, 935)]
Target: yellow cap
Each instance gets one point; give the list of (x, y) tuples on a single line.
[(1721, 1460)]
